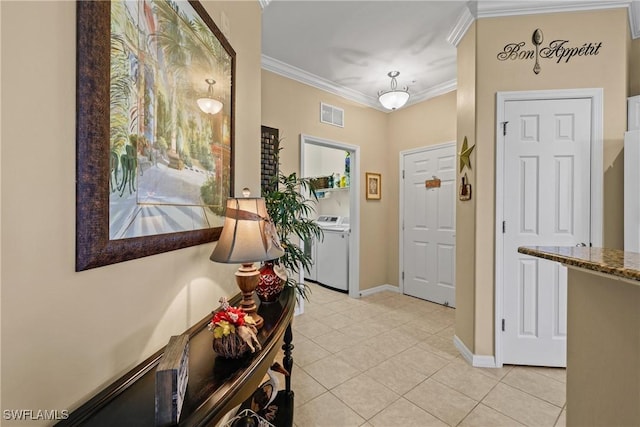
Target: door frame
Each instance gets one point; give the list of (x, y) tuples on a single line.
[(354, 204), (597, 177), (403, 154)]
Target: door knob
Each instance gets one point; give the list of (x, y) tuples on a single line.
[(581, 245)]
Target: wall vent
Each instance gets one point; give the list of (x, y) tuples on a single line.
[(331, 115)]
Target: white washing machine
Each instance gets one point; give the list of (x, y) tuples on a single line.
[(332, 252)]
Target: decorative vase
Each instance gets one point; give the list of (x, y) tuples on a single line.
[(270, 284)]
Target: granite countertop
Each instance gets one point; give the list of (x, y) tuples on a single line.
[(608, 261)]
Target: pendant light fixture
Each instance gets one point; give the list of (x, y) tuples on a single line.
[(209, 104), (394, 98)]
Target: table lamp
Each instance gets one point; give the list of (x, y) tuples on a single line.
[(248, 236)]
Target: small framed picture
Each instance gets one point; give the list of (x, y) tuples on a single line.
[(374, 186)]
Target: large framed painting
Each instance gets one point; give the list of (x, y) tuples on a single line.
[(155, 129)]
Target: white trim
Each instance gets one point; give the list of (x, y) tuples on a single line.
[(597, 176), (461, 27), (354, 204), (264, 3), (432, 92), (473, 359), (402, 156), (634, 19), (302, 76), (377, 289), (494, 8)]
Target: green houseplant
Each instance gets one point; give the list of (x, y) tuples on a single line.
[(289, 209)]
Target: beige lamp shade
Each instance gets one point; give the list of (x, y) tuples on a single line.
[(248, 235)]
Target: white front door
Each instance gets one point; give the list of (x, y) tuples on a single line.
[(547, 202), (429, 224)]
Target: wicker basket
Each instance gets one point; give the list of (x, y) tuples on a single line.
[(230, 346), (320, 182)]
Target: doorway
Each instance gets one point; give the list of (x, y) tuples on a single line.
[(548, 193), (307, 144), (428, 219)]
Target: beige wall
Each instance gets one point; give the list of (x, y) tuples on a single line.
[(607, 70), (294, 109), (466, 211), (66, 334)]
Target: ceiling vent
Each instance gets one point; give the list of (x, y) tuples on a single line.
[(331, 115)]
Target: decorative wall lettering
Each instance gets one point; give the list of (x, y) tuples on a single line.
[(559, 50)]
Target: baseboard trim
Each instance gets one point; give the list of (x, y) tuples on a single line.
[(381, 288), (474, 360)]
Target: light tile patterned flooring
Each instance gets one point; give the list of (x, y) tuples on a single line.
[(389, 360)]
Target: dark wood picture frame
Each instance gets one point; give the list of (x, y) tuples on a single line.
[(94, 248)]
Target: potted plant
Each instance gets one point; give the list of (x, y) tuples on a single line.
[(289, 209)]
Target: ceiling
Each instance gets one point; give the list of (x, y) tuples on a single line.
[(348, 47)]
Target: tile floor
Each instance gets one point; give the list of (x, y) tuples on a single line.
[(389, 360)]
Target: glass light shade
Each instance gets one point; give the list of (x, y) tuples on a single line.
[(248, 234), (209, 105), (393, 99)]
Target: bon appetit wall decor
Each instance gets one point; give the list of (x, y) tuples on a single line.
[(559, 50)]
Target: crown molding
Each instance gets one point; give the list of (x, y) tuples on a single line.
[(461, 27), (493, 8), (299, 75), (432, 92), (264, 3), (496, 8)]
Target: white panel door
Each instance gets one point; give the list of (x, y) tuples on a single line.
[(429, 225), (546, 203)]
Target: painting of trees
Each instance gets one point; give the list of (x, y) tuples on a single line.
[(170, 162)]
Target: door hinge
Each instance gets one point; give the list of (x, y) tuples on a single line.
[(402, 173), (502, 325), (504, 128), (504, 227), (403, 275)]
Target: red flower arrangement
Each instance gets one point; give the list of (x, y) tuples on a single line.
[(234, 332), (226, 321), (232, 315)]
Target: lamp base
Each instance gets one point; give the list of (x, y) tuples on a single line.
[(247, 278)]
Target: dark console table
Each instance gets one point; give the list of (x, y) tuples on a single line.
[(216, 385)]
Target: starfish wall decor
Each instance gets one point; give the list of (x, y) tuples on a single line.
[(465, 155)]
